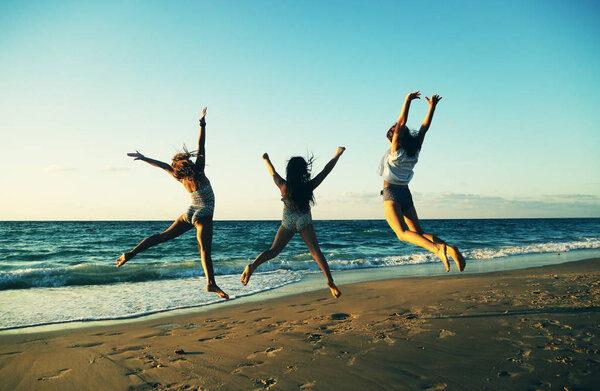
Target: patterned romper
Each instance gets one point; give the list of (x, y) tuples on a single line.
[(293, 219), (203, 204)]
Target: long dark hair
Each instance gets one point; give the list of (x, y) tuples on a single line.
[(408, 142), (183, 166), (298, 189)]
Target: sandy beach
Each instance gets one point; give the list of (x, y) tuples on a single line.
[(530, 329)]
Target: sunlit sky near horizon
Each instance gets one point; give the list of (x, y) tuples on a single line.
[(83, 83)]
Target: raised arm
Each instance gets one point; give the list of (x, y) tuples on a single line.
[(201, 156), (279, 181), (427, 121), (316, 181), (400, 125), (152, 162)]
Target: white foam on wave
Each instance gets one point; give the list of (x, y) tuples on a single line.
[(29, 307), (102, 275), (537, 248)]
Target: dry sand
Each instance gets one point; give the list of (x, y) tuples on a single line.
[(519, 330)]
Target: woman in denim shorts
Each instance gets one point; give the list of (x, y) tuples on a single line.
[(396, 168)]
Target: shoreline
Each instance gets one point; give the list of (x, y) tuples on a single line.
[(528, 328), (313, 281)]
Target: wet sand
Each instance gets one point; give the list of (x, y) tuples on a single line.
[(530, 329)]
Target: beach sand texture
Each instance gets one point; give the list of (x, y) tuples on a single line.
[(531, 329)]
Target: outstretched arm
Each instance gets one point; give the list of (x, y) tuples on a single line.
[(400, 125), (201, 156), (279, 181), (427, 121), (404, 113), (316, 181), (152, 162)]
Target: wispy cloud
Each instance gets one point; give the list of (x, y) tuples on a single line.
[(545, 199), (57, 168), (114, 169), (543, 205), (463, 205)]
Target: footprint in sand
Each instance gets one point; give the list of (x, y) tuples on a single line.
[(435, 387), (262, 318), (340, 316), (9, 353), (60, 373), (219, 336), (266, 383), (269, 352), (308, 386), (383, 337), (290, 368), (506, 374), (445, 333), (314, 338)]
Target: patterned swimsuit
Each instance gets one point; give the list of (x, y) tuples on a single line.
[(203, 204), (293, 219)]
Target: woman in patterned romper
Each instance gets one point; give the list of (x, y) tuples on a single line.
[(297, 196), (199, 215)]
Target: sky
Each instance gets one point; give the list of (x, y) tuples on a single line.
[(83, 83)]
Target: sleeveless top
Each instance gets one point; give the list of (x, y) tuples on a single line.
[(396, 167)]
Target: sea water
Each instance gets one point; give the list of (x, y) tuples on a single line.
[(52, 272)]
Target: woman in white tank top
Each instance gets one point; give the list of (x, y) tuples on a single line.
[(396, 168)]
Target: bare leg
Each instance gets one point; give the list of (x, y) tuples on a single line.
[(282, 238), (177, 228), (310, 238), (394, 217), (204, 234), (412, 221)]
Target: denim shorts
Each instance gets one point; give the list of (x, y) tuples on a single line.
[(400, 195)]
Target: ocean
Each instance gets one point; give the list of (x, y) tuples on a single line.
[(54, 272)]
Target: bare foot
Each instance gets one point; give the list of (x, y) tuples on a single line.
[(334, 290), (122, 259), (247, 273), (214, 288), (457, 256), (442, 255)]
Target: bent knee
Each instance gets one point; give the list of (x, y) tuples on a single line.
[(401, 234)]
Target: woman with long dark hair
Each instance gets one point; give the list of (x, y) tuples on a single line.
[(200, 213), (396, 168), (297, 196)]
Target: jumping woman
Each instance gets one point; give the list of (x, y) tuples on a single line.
[(297, 196), (396, 168), (199, 215)]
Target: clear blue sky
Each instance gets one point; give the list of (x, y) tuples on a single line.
[(83, 83)]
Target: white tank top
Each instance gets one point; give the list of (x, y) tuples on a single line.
[(396, 167)]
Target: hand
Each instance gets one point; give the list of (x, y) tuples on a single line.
[(413, 95), (202, 120), (340, 150), (434, 99), (265, 156), (136, 155)]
